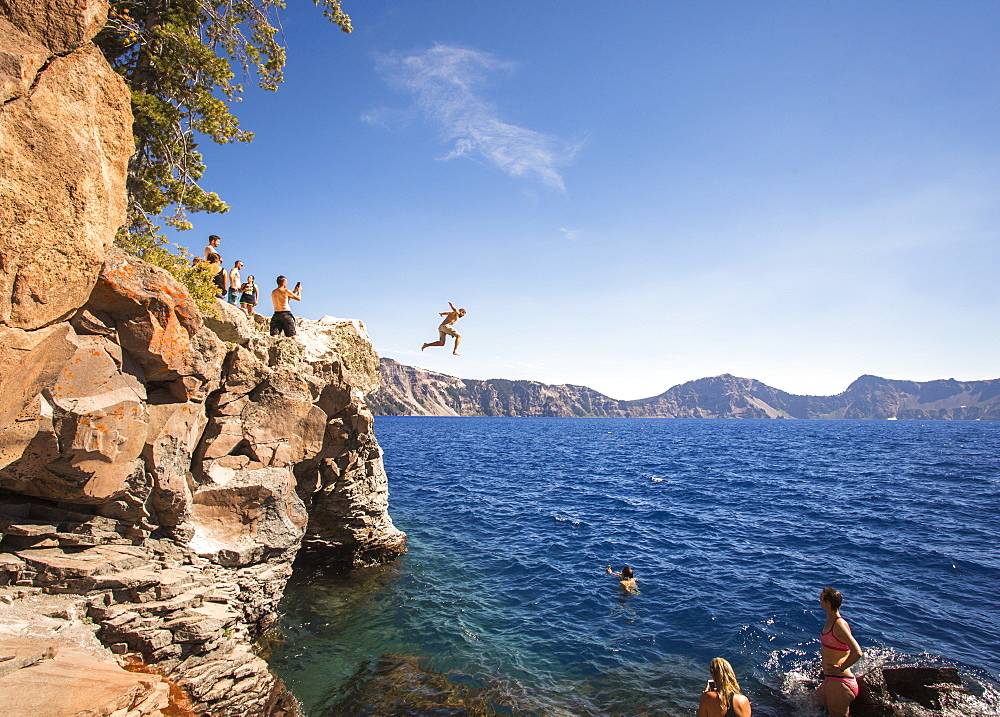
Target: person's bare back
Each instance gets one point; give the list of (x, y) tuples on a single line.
[(282, 321), (280, 297)]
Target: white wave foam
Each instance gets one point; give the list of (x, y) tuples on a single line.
[(797, 673)]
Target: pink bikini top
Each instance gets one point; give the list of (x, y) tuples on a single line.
[(828, 639)]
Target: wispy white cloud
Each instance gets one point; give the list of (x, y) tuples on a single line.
[(571, 234), (446, 84)]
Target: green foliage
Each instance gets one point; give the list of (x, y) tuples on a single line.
[(287, 352), (180, 59), (196, 279)]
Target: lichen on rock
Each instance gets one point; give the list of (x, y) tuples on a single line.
[(160, 468)]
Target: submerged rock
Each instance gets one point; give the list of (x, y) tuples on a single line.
[(399, 684), (885, 691)]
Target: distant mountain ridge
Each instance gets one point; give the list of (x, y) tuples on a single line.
[(411, 391)]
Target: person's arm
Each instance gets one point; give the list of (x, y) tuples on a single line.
[(842, 631), (452, 307)]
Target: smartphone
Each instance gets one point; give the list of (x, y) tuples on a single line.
[(298, 285), (710, 687)]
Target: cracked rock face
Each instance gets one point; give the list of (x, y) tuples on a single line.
[(65, 140), (163, 470)]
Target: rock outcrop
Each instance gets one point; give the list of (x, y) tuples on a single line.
[(65, 140), (158, 472), (891, 691), (170, 482), (410, 391)]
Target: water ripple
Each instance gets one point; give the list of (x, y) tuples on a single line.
[(732, 528)]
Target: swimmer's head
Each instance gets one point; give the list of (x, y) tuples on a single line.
[(831, 597), (627, 573), (461, 312)]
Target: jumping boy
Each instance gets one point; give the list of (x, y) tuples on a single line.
[(447, 328)]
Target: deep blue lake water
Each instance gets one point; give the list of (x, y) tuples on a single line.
[(732, 528)]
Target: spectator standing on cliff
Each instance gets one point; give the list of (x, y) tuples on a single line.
[(213, 245), (248, 296), (235, 282), (447, 328), (282, 321), (218, 273)]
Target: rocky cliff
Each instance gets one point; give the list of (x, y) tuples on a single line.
[(159, 470), (410, 391)]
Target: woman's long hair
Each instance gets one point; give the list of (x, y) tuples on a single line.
[(725, 681)]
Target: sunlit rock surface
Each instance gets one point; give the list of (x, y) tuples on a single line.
[(158, 471)]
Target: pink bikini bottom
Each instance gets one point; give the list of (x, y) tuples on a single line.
[(851, 682)]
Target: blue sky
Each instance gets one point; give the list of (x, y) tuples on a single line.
[(632, 195)]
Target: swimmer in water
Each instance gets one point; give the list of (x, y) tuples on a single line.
[(626, 578), (839, 650)]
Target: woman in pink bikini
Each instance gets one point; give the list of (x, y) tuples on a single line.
[(839, 651)]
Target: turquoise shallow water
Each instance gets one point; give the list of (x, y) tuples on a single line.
[(732, 528)]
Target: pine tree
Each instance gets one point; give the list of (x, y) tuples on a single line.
[(180, 58)]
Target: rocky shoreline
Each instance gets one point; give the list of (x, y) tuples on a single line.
[(175, 523), (159, 470), (162, 473)]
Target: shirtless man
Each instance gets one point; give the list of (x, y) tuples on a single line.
[(213, 245), (282, 321), (447, 328), (235, 282)]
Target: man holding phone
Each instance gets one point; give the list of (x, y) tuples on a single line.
[(282, 322)]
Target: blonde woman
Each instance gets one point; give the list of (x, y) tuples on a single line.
[(722, 694)]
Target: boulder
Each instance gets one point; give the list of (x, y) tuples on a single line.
[(347, 491), (173, 432), (264, 414), (884, 690), (231, 325), (28, 361), (88, 431), (21, 57), (245, 514), (342, 348), (159, 324), (924, 685)]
